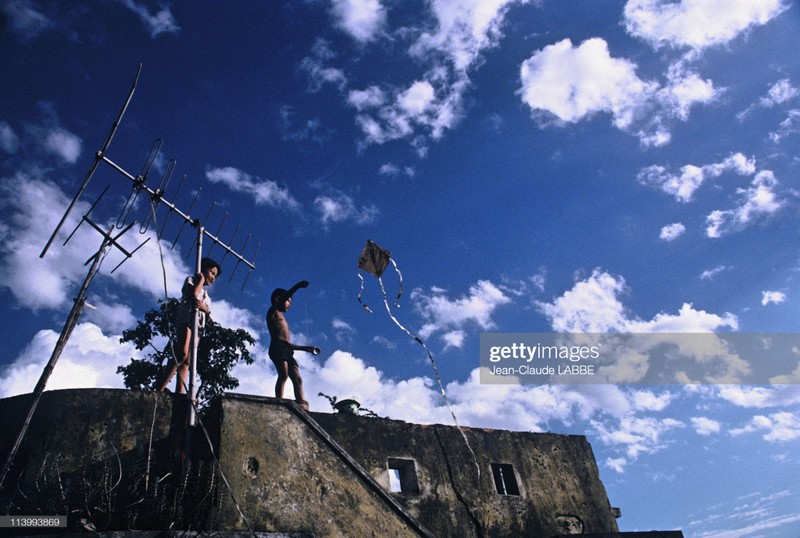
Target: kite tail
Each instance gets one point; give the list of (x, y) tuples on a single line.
[(361, 291), (435, 369), (400, 278)]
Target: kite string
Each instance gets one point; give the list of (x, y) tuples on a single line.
[(435, 370)]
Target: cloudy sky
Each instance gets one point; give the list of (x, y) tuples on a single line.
[(532, 166)]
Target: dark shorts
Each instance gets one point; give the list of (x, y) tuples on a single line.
[(281, 351)]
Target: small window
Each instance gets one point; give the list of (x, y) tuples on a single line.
[(402, 476), (504, 479)]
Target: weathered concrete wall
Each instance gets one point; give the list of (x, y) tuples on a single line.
[(79, 426), (112, 460), (289, 475), (560, 491), (97, 455)]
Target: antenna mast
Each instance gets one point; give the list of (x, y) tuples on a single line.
[(66, 331), (156, 198)]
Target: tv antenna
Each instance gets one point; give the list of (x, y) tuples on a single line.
[(157, 199)]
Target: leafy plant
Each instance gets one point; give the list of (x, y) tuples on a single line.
[(219, 350)]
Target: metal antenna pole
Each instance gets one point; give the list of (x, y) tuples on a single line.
[(156, 198), (195, 335), (69, 325)]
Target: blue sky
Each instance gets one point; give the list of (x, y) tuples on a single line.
[(532, 166)]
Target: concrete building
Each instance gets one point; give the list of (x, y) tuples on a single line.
[(115, 460)]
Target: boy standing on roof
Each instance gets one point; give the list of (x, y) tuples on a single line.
[(193, 296), (281, 348)]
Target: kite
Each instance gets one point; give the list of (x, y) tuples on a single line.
[(374, 259)]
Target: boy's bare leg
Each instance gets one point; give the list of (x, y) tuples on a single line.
[(283, 375), (183, 365), (182, 383), (297, 382)]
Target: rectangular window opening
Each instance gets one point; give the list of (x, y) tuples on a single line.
[(402, 476), (505, 481)]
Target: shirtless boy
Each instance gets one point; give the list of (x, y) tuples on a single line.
[(281, 348)]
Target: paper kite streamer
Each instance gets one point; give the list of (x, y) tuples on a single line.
[(374, 259)]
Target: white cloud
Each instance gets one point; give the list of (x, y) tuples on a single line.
[(318, 73), (342, 330), (540, 279), (417, 99), (636, 435), (263, 191), (234, 317), (163, 22), (31, 207), (780, 92), (89, 360), (299, 131), (672, 231), (705, 426), (417, 398), (616, 464), (363, 20), (593, 306), (697, 24), (433, 104), (761, 397), (26, 18), (391, 170), (789, 126), (47, 137), (615, 414), (337, 207), (91, 356), (683, 186), (645, 400), (341, 325), (687, 320), (384, 342), (444, 314), (760, 199), (429, 107), (573, 83), (590, 306), (464, 28), (372, 97), (9, 141), (777, 427), (755, 529), (454, 339), (64, 144), (113, 318), (709, 274), (346, 376), (772, 297), (791, 378)]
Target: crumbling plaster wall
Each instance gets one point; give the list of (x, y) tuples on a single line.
[(560, 491), (289, 476), (288, 472), (80, 425)]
